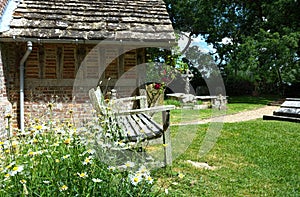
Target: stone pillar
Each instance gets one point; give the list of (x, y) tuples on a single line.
[(5, 105)]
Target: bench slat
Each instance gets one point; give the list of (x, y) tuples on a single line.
[(126, 125), (149, 127), (139, 126)]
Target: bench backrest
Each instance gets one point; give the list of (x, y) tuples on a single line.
[(97, 100), (115, 104)]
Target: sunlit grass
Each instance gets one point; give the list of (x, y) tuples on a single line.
[(235, 105), (254, 158)]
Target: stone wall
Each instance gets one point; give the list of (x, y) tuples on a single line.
[(62, 74)]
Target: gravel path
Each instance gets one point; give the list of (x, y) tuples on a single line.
[(242, 116)]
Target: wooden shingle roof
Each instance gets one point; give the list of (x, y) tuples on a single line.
[(90, 20)]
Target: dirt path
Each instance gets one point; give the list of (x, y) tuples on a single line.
[(242, 116)]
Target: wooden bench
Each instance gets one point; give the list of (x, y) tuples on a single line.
[(139, 126)]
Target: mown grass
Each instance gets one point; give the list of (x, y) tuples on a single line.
[(235, 105), (254, 158)]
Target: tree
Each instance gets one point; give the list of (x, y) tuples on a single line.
[(257, 40)]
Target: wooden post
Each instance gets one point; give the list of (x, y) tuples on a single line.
[(167, 137)]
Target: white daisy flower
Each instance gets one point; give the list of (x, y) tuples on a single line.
[(149, 179), (9, 166), (96, 180), (23, 181), (63, 188), (111, 168), (120, 144), (91, 151), (87, 161), (143, 170), (180, 175), (66, 156), (135, 179), (82, 175), (15, 170), (14, 144), (129, 164)]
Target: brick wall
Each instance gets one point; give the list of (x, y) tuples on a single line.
[(5, 105), (50, 73)]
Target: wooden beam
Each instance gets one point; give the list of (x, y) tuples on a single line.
[(41, 61)]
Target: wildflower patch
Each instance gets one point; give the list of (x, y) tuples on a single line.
[(55, 158)]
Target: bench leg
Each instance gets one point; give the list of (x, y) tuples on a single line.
[(167, 138)]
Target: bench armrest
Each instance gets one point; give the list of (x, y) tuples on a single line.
[(149, 110), (128, 102), (133, 98)]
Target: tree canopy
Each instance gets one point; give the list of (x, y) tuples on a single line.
[(258, 41)]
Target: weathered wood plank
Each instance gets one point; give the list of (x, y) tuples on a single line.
[(148, 110), (149, 129)]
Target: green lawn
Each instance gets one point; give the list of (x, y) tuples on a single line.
[(254, 158), (235, 105)]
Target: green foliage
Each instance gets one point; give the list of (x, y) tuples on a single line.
[(53, 158), (262, 37), (268, 58)]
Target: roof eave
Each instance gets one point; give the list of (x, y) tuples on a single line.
[(165, 43)]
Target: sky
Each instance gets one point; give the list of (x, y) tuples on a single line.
[(198, 41)]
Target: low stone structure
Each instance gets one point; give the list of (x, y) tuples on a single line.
[(218, 102), (288, 111)]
